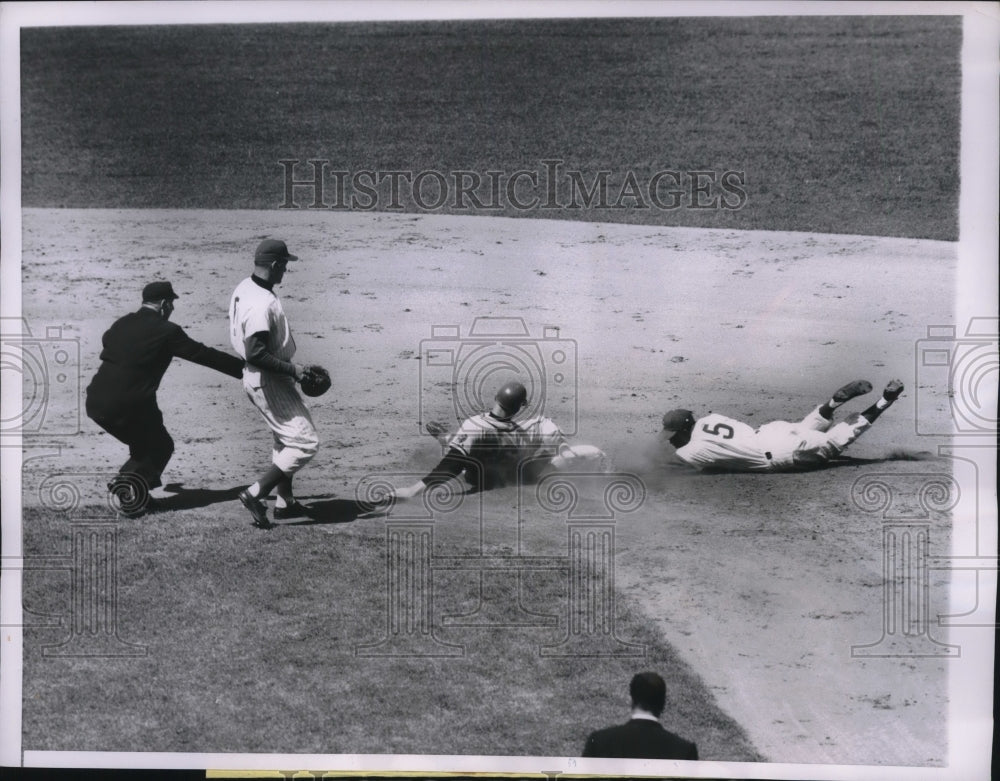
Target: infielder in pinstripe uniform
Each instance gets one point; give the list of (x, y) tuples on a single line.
[(260, 333)]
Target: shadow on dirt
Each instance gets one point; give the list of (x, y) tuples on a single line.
[(192, 498), (329, 511)]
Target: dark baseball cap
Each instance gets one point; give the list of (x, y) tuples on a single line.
[(678, 420), (272, 249), (158, 291)]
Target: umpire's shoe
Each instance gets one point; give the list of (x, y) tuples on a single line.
[(256, 508)]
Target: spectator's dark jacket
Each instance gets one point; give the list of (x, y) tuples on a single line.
[(639, 739)]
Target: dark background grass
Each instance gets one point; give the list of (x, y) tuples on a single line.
[(840, 124)]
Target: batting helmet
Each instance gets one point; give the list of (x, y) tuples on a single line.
[(678, 420), (512, 397)]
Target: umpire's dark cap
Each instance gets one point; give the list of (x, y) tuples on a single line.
[(271, 250), (678, 420), (158, 291)]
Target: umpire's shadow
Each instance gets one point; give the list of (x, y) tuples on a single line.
[(328, 511), (191, 498)]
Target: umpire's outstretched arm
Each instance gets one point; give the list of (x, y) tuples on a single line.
[(183, 346)]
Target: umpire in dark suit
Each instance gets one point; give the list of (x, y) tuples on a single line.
[(642, 736), (121, 398)]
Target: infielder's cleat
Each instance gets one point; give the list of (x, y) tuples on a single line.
[(293, 510), (256, 508), (852, 390), (892, 390)]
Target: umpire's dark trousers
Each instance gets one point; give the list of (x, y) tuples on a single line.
[(140, 426)]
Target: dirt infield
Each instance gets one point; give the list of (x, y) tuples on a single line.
[(764, 583)]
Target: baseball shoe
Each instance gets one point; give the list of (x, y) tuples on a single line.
[(293, 510), (851, 390), (256, 508), (892, 390)]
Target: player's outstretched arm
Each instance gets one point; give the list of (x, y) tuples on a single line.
[(450, 466)]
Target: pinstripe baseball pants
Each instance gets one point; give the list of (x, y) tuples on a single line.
[(295, 437)]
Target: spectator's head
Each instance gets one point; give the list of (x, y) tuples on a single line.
[(649, 692)]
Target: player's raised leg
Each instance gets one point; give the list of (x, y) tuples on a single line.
[(821, 418), (843, 434)]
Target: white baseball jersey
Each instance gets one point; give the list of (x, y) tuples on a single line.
[(722, 443), (528, 438), (719, 442), (254, 309)]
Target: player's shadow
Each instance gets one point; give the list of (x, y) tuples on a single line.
[(192, 498), (900, 455), (821, 466), (328, 511)]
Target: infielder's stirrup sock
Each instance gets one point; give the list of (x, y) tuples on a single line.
[(889, 395)]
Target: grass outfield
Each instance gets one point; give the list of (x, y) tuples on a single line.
[(240, 625), (840, 124)]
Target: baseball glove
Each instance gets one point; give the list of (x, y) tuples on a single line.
[(436, 428), (315, 381)]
